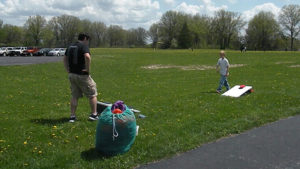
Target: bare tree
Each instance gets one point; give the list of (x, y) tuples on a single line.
[(69, 27), (99, 30), (289, 19)]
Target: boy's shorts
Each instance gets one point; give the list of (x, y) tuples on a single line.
[(82, 84)]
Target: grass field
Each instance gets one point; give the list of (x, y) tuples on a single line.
[(183, 111)]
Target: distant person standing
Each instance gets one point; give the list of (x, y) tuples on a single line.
[(242, 48), (223, 69), (77, 62)]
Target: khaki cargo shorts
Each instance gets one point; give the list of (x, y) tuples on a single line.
[(82, 84)]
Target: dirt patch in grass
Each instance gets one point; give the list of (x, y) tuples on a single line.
[(294, 66), (191, 67), (286, 62)]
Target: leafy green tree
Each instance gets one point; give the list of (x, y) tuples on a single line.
[(153, 34), (34, 27), (54, 27), (199, 28), (65, 29), (116, 36), (289, 19), (48, 39), (169, 27), (185, 38), (262, 32), (13, 35), (225, 24), (2, 33)]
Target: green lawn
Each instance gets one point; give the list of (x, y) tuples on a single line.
[(182, 110)]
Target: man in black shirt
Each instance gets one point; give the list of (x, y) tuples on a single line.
[(77, 62)]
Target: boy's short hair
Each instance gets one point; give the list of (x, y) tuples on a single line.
[(82, 36), (222, 52)]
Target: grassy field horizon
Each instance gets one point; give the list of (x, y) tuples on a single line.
[(175, 89)]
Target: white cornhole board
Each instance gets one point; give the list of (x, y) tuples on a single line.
[(236, 91)]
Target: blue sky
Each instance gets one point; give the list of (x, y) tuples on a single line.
[(130, 13)]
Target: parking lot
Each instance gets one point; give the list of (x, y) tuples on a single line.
[(9, 61)]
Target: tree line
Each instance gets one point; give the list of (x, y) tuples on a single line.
[(225, 29)]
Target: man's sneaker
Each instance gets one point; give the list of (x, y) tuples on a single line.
[(93, 117), (218, 91), (72, 119)]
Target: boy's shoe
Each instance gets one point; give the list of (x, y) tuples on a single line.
[(93, 117), (218, 91), (72, 119)]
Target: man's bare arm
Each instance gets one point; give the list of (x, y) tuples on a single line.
[(87, 58)]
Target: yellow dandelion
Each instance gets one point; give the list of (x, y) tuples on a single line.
[(54, 127), (35, 148), (40, 152), (76, 137), (50, 144), (25, 142), (25, 164), (53, 134)]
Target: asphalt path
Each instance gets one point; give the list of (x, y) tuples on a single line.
[(274, 146), (10, 61)]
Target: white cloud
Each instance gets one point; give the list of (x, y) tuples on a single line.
[(268, 7), (211, 8), (169, 2), (232, 1), (190, 9), (208, 8), (127, 13)]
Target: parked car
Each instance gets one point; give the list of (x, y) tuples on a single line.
[(6, 51), (2, 51), (30, 51), (18, 51), (42, 52), (57, 52)]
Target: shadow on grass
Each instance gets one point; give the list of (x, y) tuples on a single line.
[(50, 122), (93, 154)]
